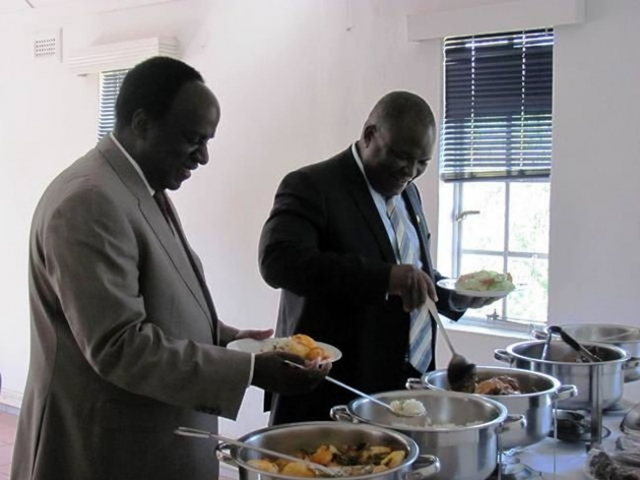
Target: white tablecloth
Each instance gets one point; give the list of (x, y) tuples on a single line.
[(558, 460)]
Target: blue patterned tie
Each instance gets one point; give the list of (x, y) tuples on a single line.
[(420, 334)]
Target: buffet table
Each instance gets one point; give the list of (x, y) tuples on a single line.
[(555, 459)]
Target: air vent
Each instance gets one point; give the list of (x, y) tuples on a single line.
[(46, 45), (116, 56)]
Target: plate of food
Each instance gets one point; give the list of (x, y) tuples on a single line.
[(300, 344), (483, 283)]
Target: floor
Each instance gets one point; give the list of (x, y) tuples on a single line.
[(7, 436)]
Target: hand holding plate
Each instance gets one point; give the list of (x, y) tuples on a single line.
[(273, 372)]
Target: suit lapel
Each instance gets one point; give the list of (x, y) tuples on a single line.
[(157, 223), (193, 260), (414, 207), (359, 190)]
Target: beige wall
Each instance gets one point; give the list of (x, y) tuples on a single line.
[(295, 80)]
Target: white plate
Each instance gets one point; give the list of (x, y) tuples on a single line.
[(250, 345), (450, 284)]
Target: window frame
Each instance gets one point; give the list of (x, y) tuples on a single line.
[(453, 229), (109, 83)]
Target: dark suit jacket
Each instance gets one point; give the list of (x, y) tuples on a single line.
[(326, 247), (124, 347)]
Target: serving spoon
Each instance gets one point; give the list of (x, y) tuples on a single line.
[(361, 394), (315, 467), (573, 343), (460, 373)]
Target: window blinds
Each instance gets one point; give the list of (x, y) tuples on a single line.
[(110, 82), (497, 106)]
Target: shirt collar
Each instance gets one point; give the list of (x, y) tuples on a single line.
[(133, 163)]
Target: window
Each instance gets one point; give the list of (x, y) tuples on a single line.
[(495, 159), (110, 82)]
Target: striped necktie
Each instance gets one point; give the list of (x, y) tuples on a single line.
[(420, 334)]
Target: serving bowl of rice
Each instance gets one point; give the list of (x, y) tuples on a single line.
[(455, 425)]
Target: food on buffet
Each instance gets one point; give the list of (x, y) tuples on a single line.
[(578, 357), (264, 465), (409, 407), (485, 281), (465, 385), (573, 358), (602, 466), (346, 460), (302, 345), (500, 385)]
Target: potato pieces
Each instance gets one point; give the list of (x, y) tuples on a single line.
[(323, 454), (394, 459), (297, 470), (305, 340), (297, 348), (345, 460), (304, 346), (264, 465)]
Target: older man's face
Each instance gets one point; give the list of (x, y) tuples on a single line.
[(176, 144), (395, 156)]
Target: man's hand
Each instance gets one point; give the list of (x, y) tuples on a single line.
[(273, 374), (255, 334), (412, 284)]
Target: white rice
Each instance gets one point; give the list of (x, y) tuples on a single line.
[(410, 407)]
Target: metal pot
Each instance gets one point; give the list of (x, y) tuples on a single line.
[(535, 403), (561, 363), (310, 435), (461, 430), (625, 337)]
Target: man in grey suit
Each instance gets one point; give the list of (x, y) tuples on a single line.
[(349, 276), (126, 344)]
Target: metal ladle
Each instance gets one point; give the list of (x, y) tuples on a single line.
[(573, 343), (361, 394), (460, 373), (316, 467)]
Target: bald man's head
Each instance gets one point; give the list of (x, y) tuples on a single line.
[(404, 109), (397, 141)]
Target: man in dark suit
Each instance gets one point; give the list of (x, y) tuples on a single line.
[(126, 344), (332, 244)]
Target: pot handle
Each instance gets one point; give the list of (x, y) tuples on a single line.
[(502, 355), (415, 384), (223, 455), (516, 420), (564, 392), (341, 413), (539, 334), (427, 466)]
